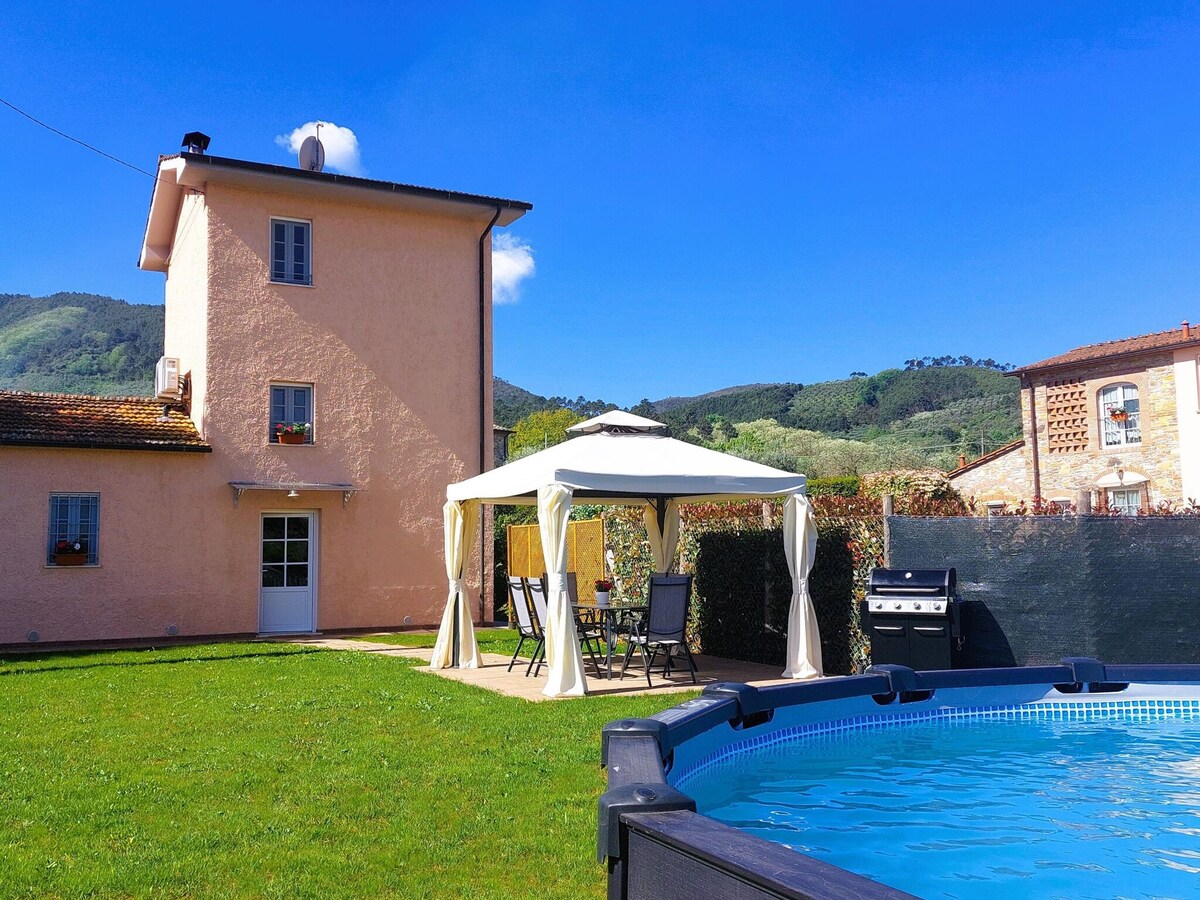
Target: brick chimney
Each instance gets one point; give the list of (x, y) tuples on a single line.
[(1187, 330), (962, 460)]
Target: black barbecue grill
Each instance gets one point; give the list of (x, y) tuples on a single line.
[(912, 617)]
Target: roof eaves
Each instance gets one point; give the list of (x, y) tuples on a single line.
[(987, 458), (354, 181), (156, 446), (1057, 362)]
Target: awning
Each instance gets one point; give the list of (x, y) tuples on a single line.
[(292, 487)]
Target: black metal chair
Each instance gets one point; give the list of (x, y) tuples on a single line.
[(589, 635), (529, 629), (664, 628)]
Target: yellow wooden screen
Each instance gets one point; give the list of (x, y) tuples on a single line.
[(585, 554)]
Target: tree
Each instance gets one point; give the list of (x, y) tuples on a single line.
[(540, 430), (645, 409)]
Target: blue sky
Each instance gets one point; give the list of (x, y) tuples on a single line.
[(723, 193)]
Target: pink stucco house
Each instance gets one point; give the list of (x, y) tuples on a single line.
[(359, 308)]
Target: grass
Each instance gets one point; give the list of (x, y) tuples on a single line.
[(490, 640), (269, 770)]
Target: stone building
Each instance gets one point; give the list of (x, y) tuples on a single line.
[(1116, 424)]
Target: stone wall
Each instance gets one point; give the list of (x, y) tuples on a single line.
[(1064, 474), (1005, 477), (1068, 408)]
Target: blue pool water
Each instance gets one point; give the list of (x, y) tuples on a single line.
[(974, 804)]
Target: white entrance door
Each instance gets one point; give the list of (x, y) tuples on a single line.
[(286, 594)]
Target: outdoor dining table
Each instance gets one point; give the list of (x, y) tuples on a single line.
[(611, 615)]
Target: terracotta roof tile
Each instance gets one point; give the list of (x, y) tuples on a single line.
[(109, 423), (987, 458), (1142, 343)]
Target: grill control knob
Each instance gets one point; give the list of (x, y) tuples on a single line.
[(879, 604), (916, 606), (898, 605), (937, 607)]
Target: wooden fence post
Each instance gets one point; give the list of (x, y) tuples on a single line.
[(889, 506)]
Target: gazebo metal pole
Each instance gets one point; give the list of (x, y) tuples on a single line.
[(455, 642)]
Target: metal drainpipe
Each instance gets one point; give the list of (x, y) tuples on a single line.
[(484, 413), (1037, 474)]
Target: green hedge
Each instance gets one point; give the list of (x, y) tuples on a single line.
[(743, 591)]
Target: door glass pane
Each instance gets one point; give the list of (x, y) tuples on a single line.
[(297, 551), (273, 552), (272, 576), (297, 528), (297, 575), (272, 527)]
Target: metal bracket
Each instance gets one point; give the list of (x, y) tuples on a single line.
[(633, 798)]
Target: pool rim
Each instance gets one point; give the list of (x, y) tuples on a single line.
[(643, 818)]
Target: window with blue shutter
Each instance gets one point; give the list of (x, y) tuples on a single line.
[(291, 405), (291, 251)]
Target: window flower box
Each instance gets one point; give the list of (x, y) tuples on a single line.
[(70, 553), (292, 433)]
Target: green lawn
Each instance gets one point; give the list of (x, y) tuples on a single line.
[(490, 640), (272, 770)]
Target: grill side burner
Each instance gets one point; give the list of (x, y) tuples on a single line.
[(912, 617)]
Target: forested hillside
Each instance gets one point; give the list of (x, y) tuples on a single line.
[(927, 413), (79, 343), (922, 415)]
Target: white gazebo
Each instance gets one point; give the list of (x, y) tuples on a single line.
[(619, 458)]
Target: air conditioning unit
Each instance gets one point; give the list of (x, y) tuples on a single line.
[(166, 379)]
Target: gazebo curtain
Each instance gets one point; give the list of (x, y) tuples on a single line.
[(663, 543), (800, 547), (461, 521), (565, 661)]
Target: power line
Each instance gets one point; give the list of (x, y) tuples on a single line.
[(38, 121)]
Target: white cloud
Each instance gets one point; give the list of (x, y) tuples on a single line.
[(340, 143), (512, 263)]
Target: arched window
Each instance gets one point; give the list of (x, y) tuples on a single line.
[(1120, 421)]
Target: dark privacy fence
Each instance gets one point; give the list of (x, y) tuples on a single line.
[(1037, 589), (743, 591)]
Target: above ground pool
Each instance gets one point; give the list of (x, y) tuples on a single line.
[(1079, 780)]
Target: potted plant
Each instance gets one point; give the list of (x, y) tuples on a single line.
[(603, 588), (1118, 414), (71, 553), (292, 432)]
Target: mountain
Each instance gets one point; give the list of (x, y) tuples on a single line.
[(510, 403), (921, 415), (79, 343), (85, 343)]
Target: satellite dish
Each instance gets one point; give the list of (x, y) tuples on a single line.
[(312, 155)]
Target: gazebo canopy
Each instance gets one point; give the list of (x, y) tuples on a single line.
[(620, 458)]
